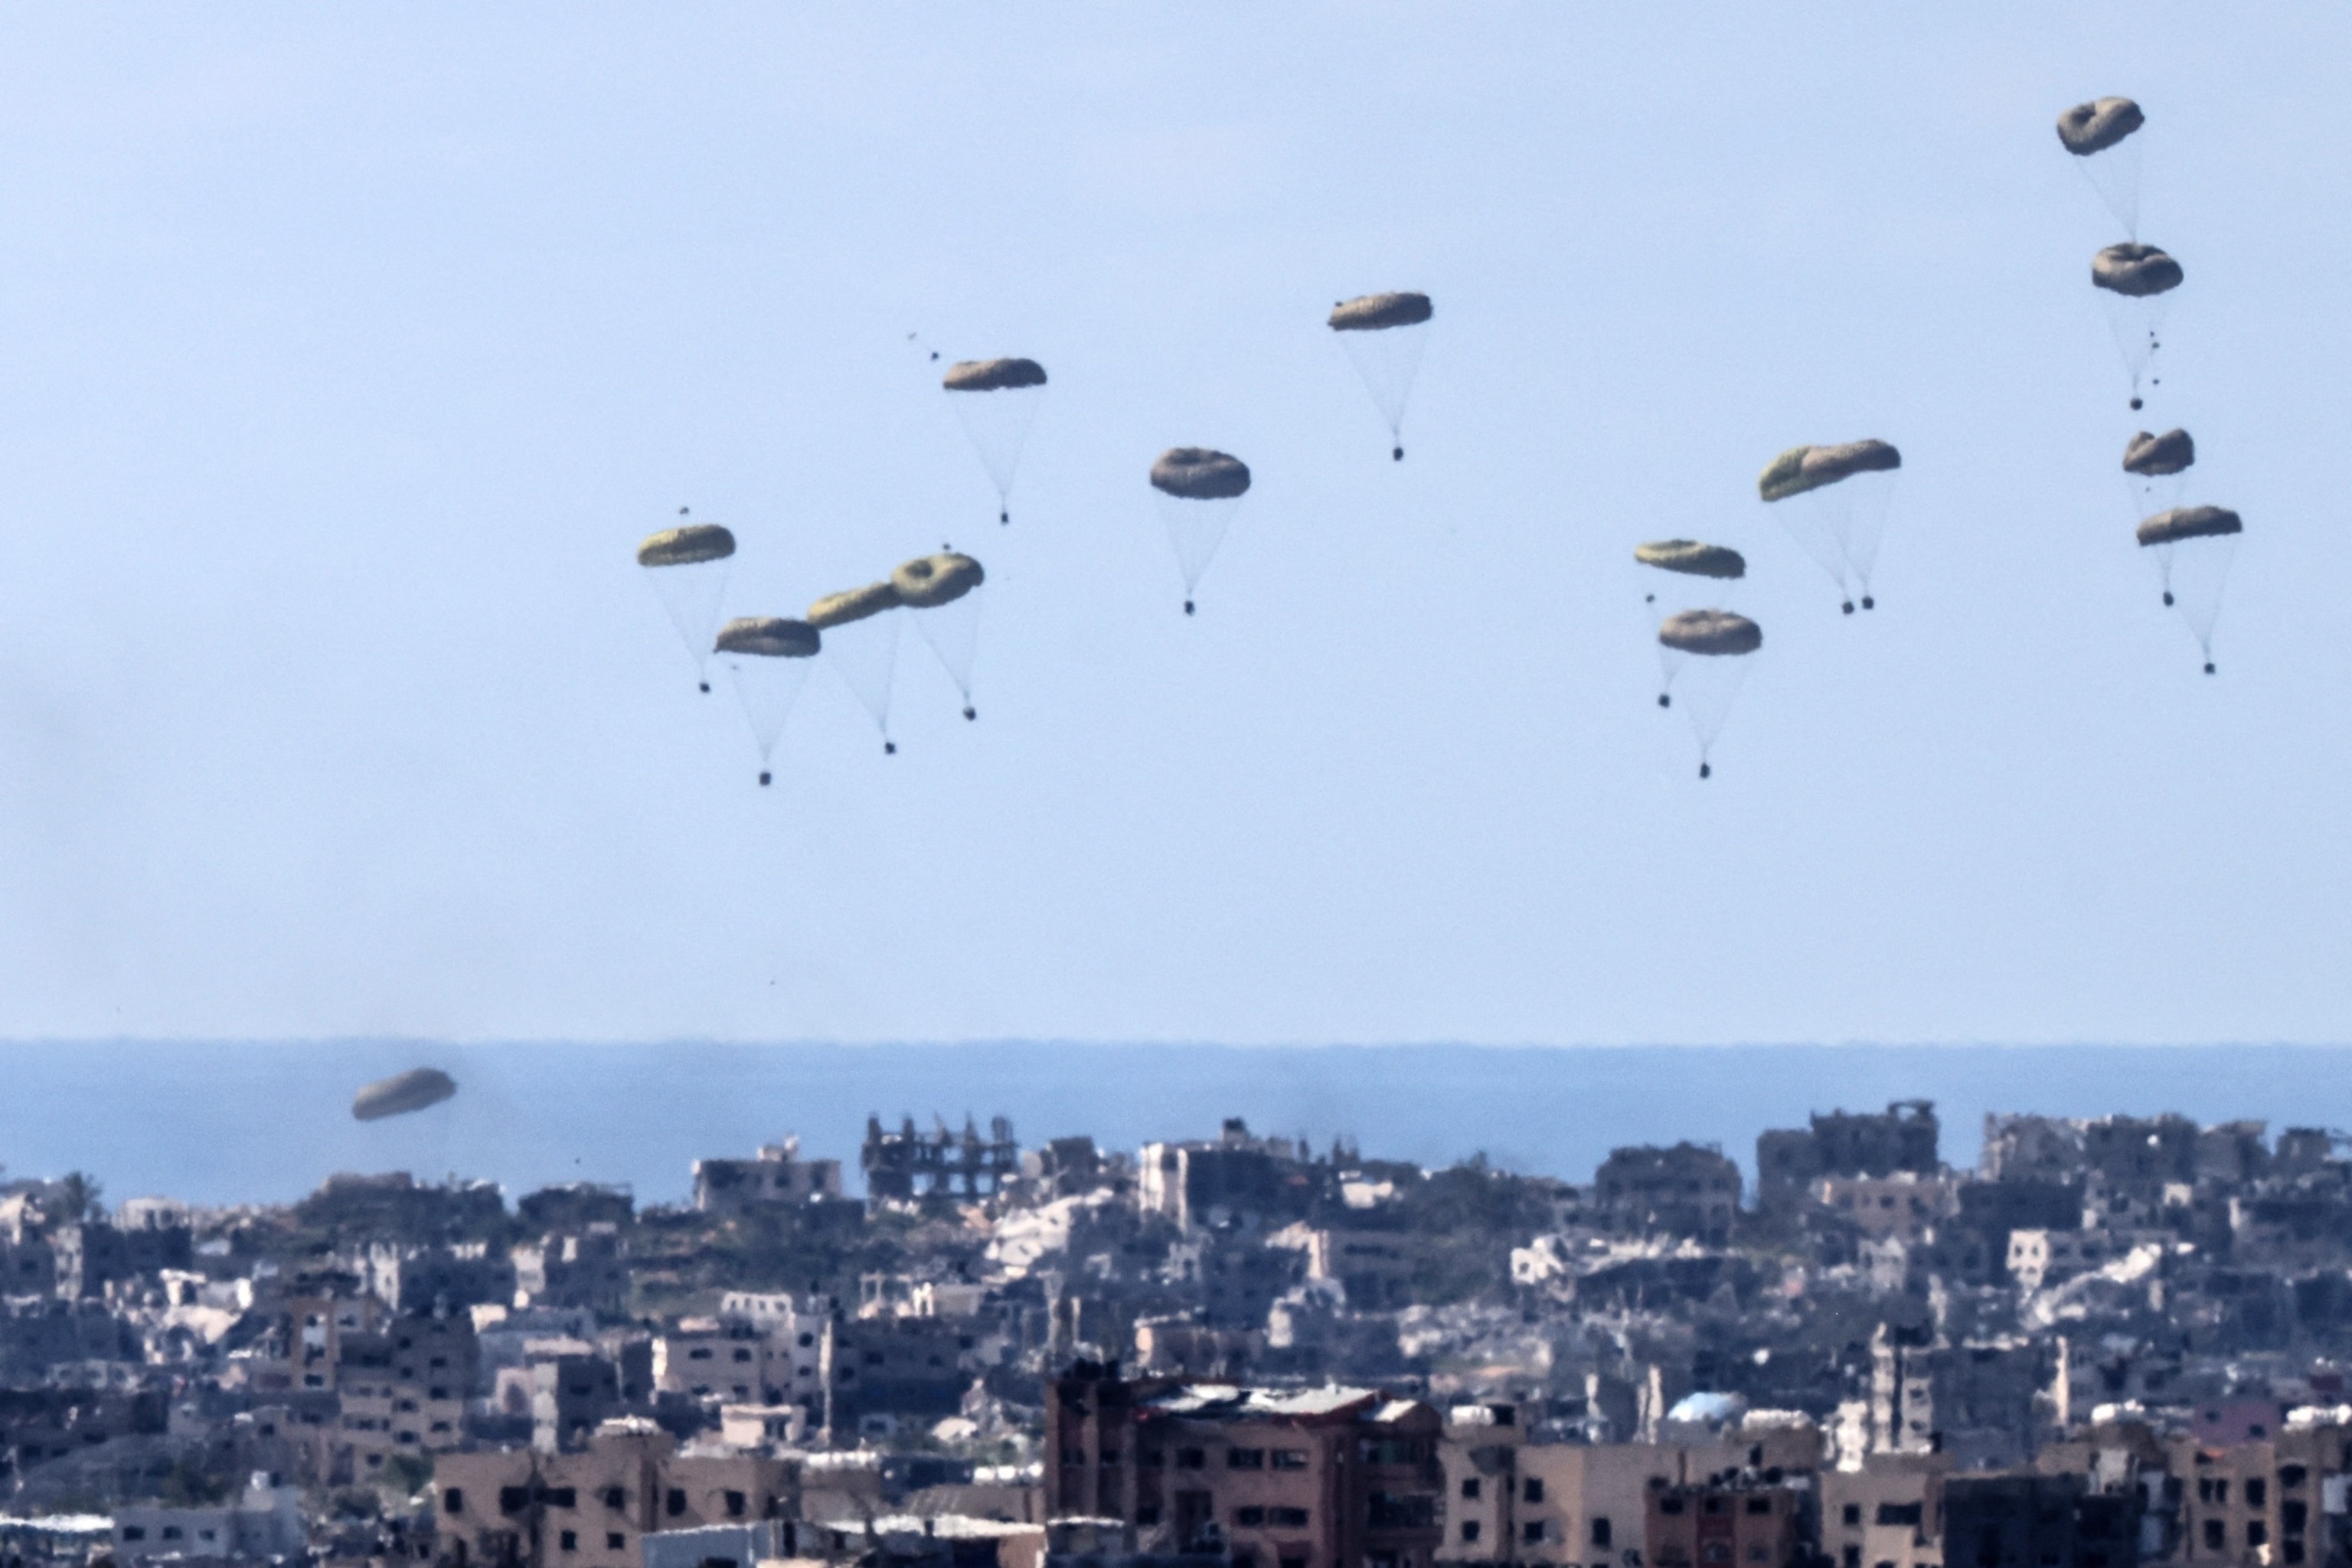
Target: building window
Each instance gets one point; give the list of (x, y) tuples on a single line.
[(1600, 1530), (1852, 1557), (513, 1499), (1853, 1514), (616, 1499), (1292, 1518), (2214, 1540), (563, 1497), (569, 1540), (1759, 1552), (1532, 1531), (1249, 1517), (1760, 1504), (2290, 1476), (1246, 1458), (675, 1502), (1469, 1530), (134, 1532), (1470, 1488), (2257, 1532), (1290, 1459), (1147, 1513), (1531, 1492), (1190, 1458), (2257, 1491), (2292, 1548), (454, 1501), (734, 1505), (615, 1541), (1151, 1458)]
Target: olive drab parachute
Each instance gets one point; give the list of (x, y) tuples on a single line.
[(2136, 282), (940, 589), (1685, 558), (1384, 335), (769, 659), (689, 565), (997, 399), (404, 1095), (1708, 652), (1692, 557), (861, 643), (1850, 485), (2099, 135), (2192, 547), (1199, 490), (2156, 468)]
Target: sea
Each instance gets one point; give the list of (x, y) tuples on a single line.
[(223, 1122)]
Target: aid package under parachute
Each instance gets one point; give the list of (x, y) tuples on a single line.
[(861, 644), (1198, 490), (1385, 334), (2193, 547), (1846, 489), (997, 400), (1707, 653), (687, 567), (768, 656), (942, 592)]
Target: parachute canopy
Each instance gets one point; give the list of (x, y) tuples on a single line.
[(2135, 271), (1692, 557), (1198, 473), (2096, 126), (929, 581), (1374, 311), (688, 546), (412, 1091), (768, 636), (2189, 523), (851, 605), (1802, 468), (2156, 455), (1712, 632), (993, 374)]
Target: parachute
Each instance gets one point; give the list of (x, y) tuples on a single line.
[(942, 587), (1199, 492), (2156, 466), (2135, 280), (1686, 558), (1384, 335), (2099, 135), (1692, 559), (997, 400), (410, 1091), (1841, 526), (1706, 651), (768, 656), (2194, 546), (689, 565), (861, 643)]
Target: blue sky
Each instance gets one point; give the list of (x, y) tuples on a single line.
[(348, 353)]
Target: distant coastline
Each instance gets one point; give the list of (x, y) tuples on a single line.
[(225, 1122)]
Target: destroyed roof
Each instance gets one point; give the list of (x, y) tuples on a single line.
[(1227, 1401)]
